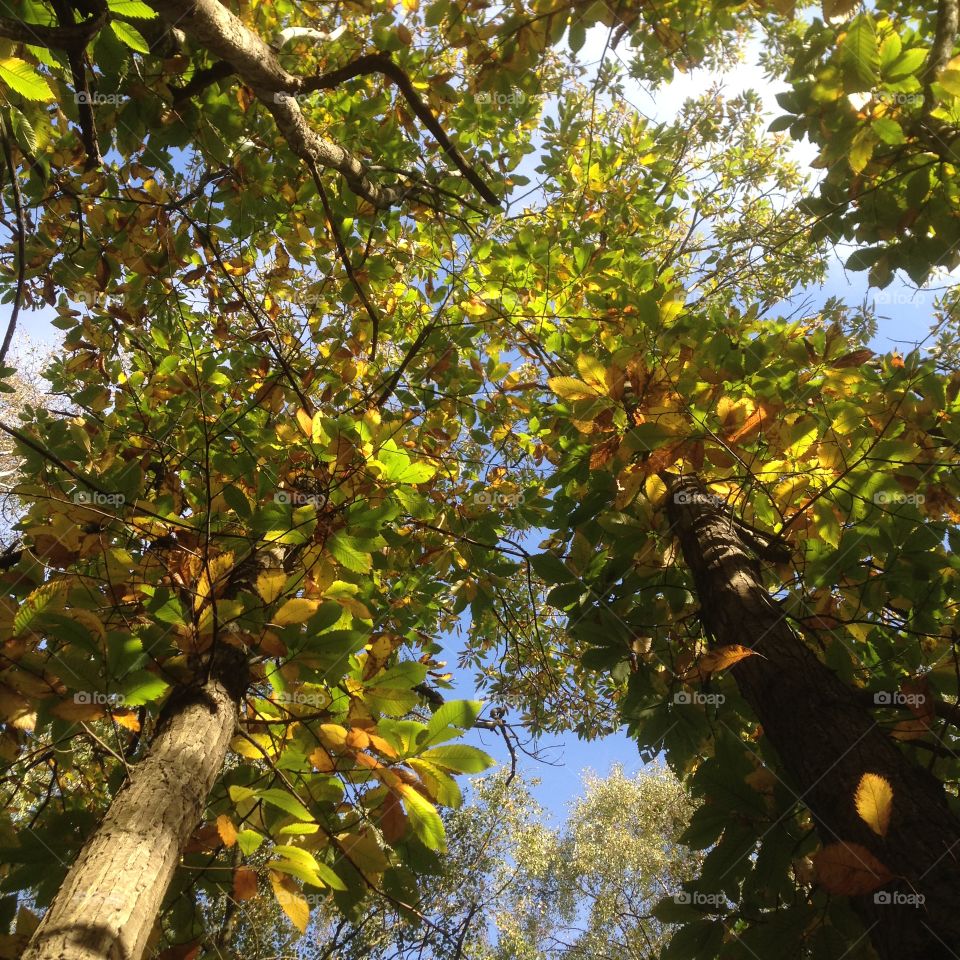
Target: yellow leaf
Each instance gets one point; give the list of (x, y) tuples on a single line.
[(570, 388), (292, 901), (655, 489), (322, 760), (850, 870), (213, 574), (874, 800), (306, 422), (226, 829), (295, 611), (593, 372), (270, 584)]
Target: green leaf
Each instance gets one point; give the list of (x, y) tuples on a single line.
[(130, 36), (282, 800), (424, 819), (578, 36), (399, 468), (460, 757), (131, 8), (303, 865), (454, 713), (23, 78), (861, 55), (889, 131), (861, 150), (249, 841), (141, 687), (349, 553)]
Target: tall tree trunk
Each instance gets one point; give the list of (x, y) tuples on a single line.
[(825, 738), (109, 901)]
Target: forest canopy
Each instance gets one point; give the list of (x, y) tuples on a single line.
[(407, 384)]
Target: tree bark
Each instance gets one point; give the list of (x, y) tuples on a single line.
[(108, 903), (825, 738)]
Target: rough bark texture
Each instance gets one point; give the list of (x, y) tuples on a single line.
[(826, 739), (109, 901)]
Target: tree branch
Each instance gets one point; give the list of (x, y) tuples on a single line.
[(69, 37), (227, 38)]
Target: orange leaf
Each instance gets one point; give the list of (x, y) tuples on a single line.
[(751, 425), (244, 883), (874, 800), (849, 869), (722, 657), (226, 829)]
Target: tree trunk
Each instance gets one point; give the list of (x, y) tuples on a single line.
[(109, 901), (825, 738)]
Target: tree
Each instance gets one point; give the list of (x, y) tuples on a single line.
[(803, 482), (511, 886), (293, 405)]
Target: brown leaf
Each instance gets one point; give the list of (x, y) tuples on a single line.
[(78, 712), (244, 883), (849, 869), (853, 359)]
